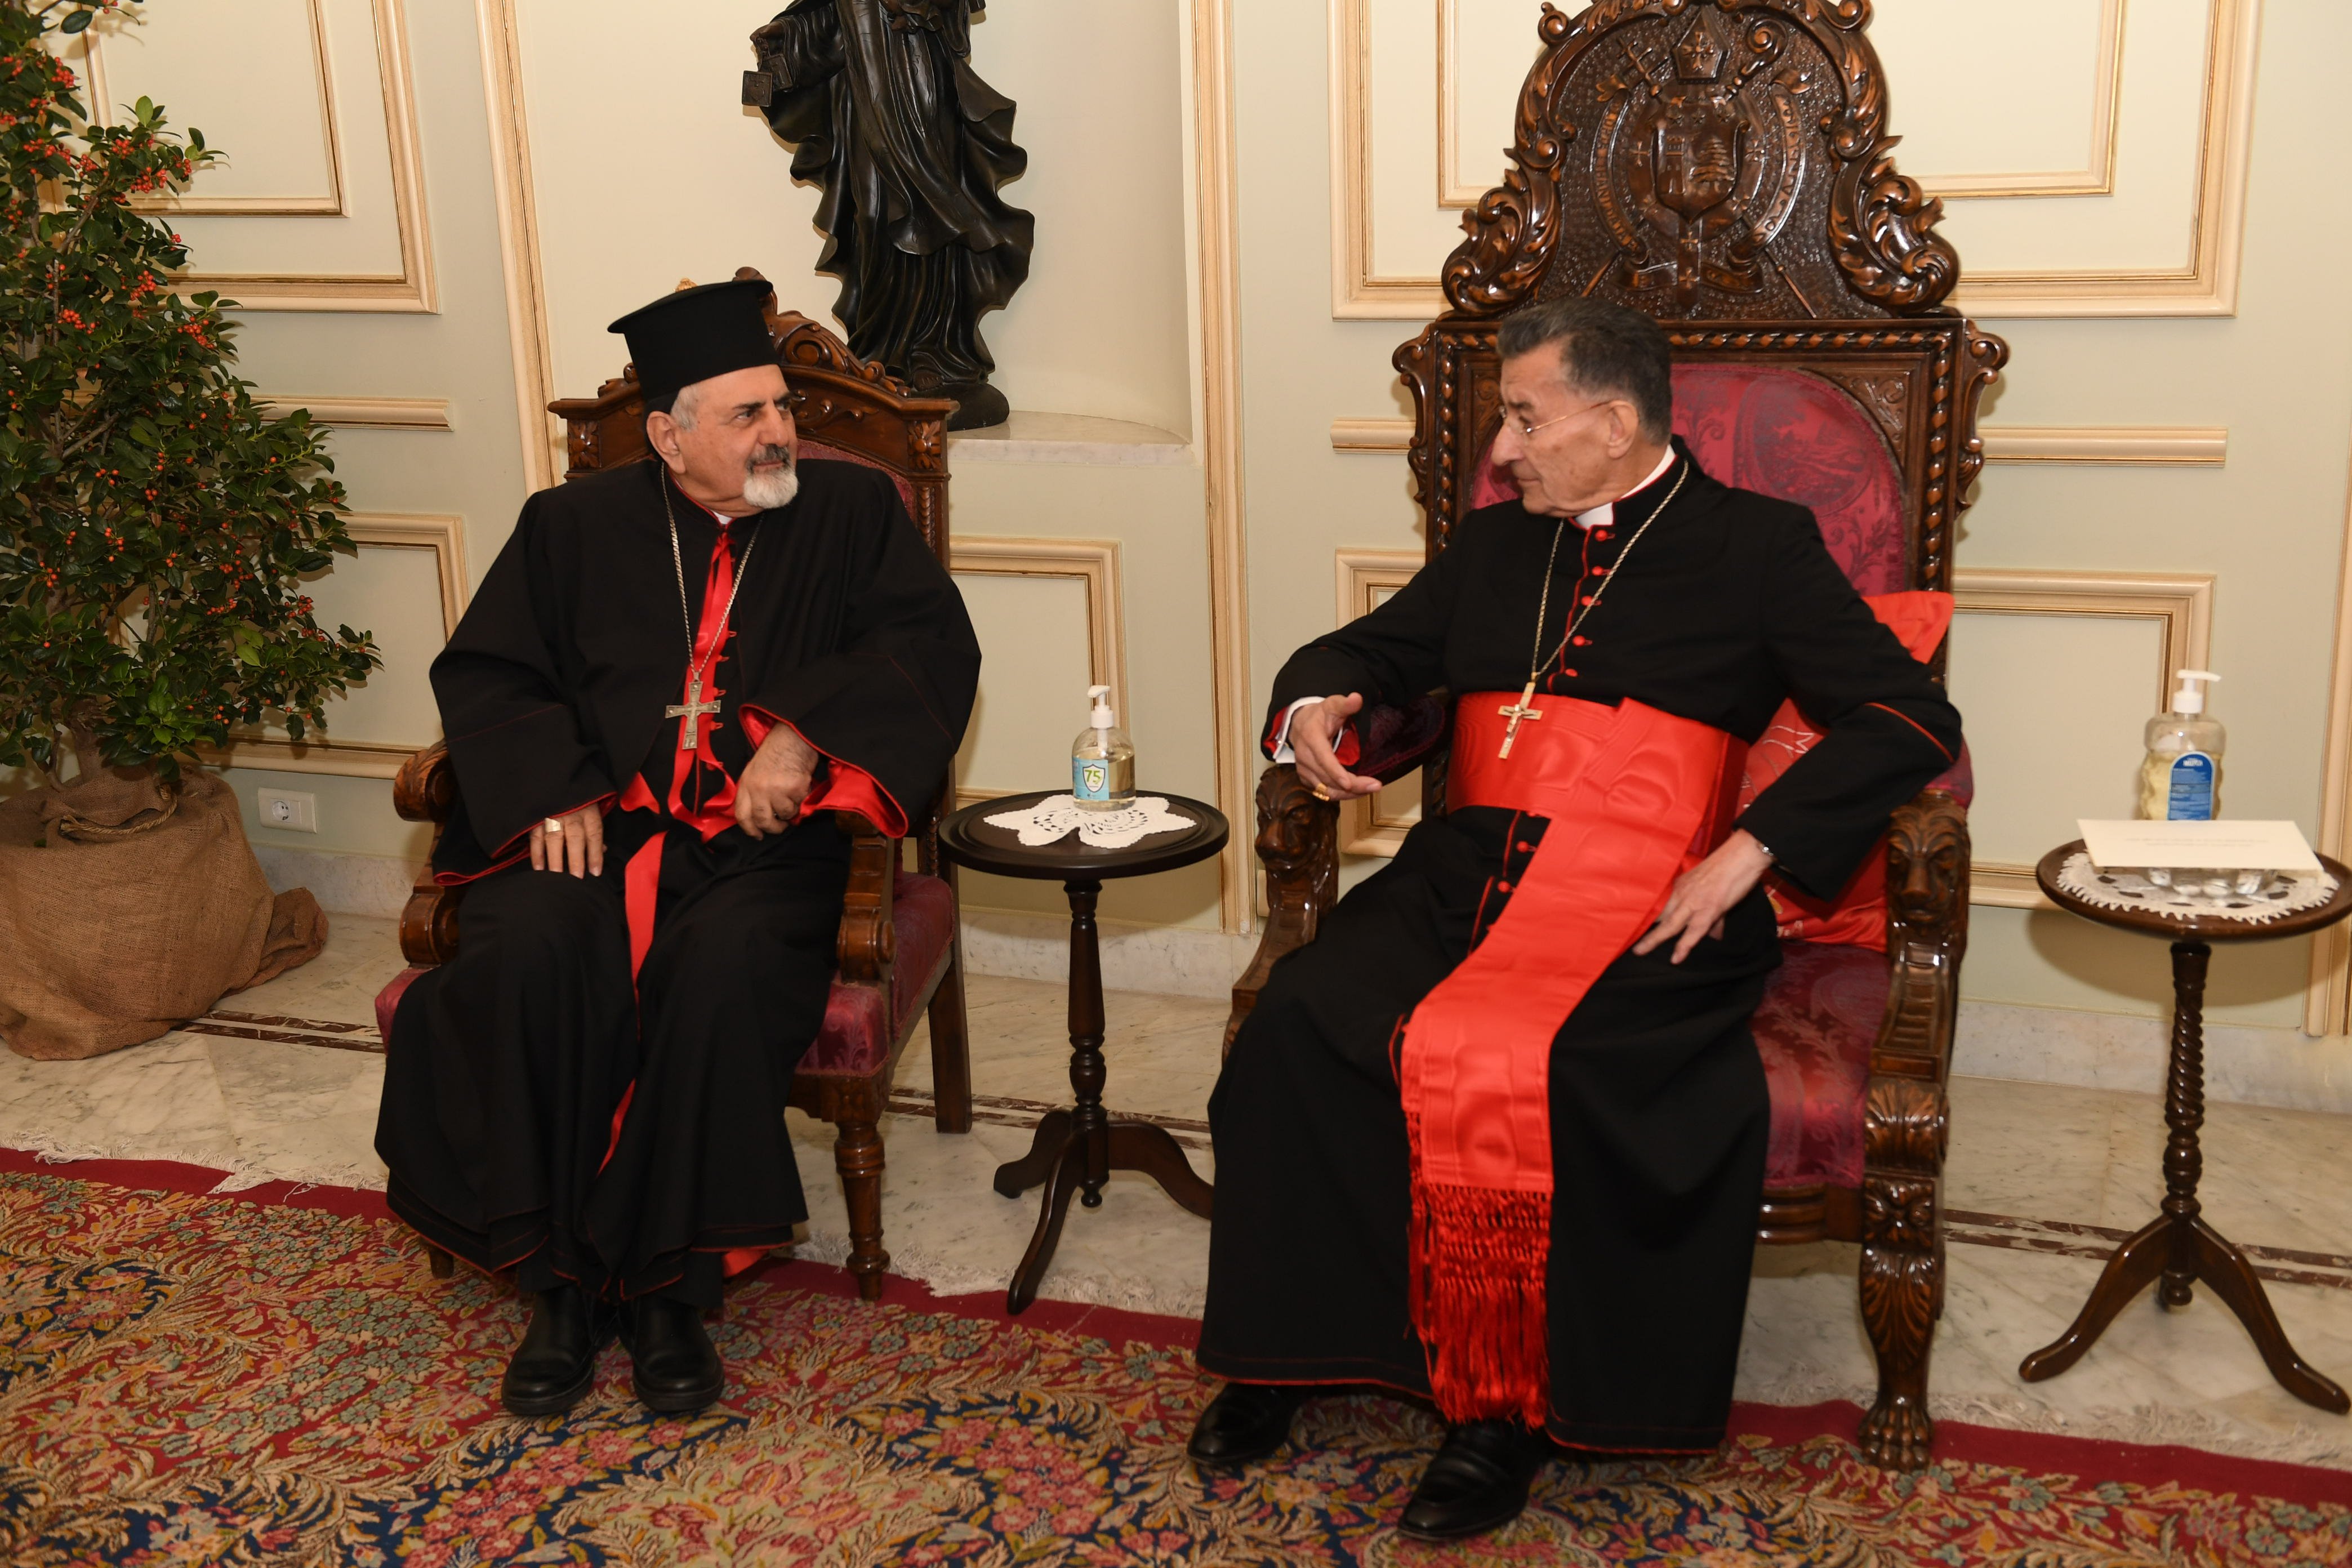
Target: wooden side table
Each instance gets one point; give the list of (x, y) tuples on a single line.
[(1076, 1149), (2177, 1248)]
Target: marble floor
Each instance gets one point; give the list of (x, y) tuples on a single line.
[(280, 1083)]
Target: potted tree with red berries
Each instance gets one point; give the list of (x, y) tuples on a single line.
[(156, 528)]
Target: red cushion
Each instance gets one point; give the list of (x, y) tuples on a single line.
[(1857, 915), (387, 1001), (843, 455), (1784, 433), (856, 1037), (1814, 1031)]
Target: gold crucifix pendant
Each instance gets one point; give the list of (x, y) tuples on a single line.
[(1515, 713), (694, 708)]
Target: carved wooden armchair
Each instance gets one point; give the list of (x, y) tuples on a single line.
[(900, 946), (1724, 168)]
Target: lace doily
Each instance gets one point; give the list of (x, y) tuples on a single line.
[(2224, 896), (1055, 815)]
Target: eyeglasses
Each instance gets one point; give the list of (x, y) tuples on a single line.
[(1528, 430)]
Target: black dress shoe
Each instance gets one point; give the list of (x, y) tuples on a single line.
[(1477, 1482), (1247, 1421), (678, 1368), (556, 1361)]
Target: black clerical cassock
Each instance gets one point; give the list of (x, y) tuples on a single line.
[(594, 1089), (1389, 1210)]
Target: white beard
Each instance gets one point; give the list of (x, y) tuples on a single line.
[(770, 491)]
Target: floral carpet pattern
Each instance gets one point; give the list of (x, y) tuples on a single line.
[(189, 1379)]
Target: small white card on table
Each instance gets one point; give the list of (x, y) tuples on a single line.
[(2224, 845)]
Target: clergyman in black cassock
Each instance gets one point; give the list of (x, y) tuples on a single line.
[(1727, 603), (650, 742)]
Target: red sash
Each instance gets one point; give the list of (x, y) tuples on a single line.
[(1634, 797)]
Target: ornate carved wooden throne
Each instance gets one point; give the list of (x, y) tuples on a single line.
[(901, 945), (1722, 164)]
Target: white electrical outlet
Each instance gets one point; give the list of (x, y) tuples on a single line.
[(295, 811)]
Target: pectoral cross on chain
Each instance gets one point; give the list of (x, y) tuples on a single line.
[(1515, 713), (693, 709)]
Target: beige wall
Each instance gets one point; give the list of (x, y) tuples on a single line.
[(2158, 291)]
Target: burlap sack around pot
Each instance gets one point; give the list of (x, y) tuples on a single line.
[(126, 909)]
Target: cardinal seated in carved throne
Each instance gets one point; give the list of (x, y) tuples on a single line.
[(1496, 1137)]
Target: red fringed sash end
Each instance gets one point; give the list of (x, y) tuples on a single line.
[(1477, 1256)]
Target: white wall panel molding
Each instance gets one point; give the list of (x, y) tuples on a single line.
[(444, 538), (2327, 1003), (2181, 606), (329, 200), (2205, 283), (366, 412), (2129, 445), (518, 254), (408, 284), (2208, 284), (1094, 564), (1219, 426), (2138, 444), (1375, 825), (2097, 176)]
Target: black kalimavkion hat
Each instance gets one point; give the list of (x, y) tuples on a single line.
[(696, 333)]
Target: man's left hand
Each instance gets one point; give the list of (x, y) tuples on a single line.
[(768, 797), (1706, 893)]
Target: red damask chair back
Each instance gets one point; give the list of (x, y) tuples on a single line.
[(1724, 166)]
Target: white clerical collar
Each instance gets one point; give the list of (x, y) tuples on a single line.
[(1604, 514)]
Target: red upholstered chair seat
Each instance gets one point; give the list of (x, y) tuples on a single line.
[(856, 1037), (1820, 1013)]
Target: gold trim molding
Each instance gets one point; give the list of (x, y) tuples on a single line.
[(1362, 577), (2107, 115), (1220, 427), (2122, 444), (1095, 563), (2206, 286), (446, 537), (528, 336), (335, 203), (413, 289), (2181, 601), (366, 412), (2327, 996)]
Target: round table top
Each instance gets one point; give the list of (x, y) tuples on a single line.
[(2199, 928), (968, 838)]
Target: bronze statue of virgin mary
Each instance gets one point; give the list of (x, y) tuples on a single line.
[(884, 111)]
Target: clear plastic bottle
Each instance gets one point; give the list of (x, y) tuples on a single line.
[(1102, 759), (2180, 780)]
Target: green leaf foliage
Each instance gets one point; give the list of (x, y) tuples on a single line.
[(155, 522)]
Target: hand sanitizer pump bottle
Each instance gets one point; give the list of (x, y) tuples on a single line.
[(2181, 779), (1102, 759)]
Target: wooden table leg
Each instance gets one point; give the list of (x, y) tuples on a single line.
[(1078, 1149), (1048, 1234), (1015, 1178), (1139, 1146), (2177, 1248)]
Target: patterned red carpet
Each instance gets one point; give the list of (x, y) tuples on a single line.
[(192, 1379)]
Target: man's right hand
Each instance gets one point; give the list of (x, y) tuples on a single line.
[(1314, 729), (578, 847)]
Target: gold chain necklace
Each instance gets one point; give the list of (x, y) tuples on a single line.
[(1536, 659)]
